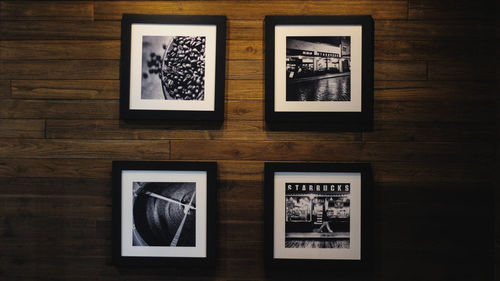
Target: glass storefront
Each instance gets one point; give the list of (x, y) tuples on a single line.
[(305, 63)]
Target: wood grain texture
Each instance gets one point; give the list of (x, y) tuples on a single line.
[(50, 10), (22, 128), (105, 10), (59, 69), (438, 29), (390, 110), (432, 147), (4, 88), (59, 109), (468, 70), (327, 151), (461, 9), (54, 30), (59, 49), (231, 130), (421, 30), (95, 149), (433, 90), (66, 89)]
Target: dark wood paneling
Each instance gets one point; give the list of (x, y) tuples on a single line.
[(435, 30), (4, 88), (328, 151), (132, 149), (54, 30), (231, 130), (463, 91), (450, 9), (59, 109), (59, 49), (66, 89), (22, 128), (106, 10), (432, 147), (59, 69), (50, 10)]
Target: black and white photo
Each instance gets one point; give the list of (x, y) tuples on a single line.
[(172, 67), (319, 69), (163, 212), (317, 213)]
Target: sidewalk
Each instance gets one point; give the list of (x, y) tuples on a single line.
[(313, 78), (317, 235)]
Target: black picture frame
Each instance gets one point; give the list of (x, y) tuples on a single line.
[(299, 233), (181, 177), (207, 79), (291, 103)]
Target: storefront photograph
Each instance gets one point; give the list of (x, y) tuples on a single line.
[(318, 68), (317, 217)]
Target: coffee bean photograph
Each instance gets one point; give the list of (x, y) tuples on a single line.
[(173, 67), (164, 214)]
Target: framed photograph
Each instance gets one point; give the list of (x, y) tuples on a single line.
[(172, 67), (164, 213), (319, 69), (317, 214)]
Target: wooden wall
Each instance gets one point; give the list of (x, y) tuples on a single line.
[(432, 148)]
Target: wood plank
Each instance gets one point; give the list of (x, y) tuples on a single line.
[(71, 207), (56, 168), (387, 172), (437, 111), (66, 89), (56, 186), (431, 50), (244, 69), (46, 10), (60, 109), (105, 10), (470, 70), (422, 30), (434, 90), (430, 131), (22, 128), (95, 149), (244, 89), (4, 88), (231, 130), (395, 171), (245, 49), (250, 110), (463, 9), (387, 110), (56, 30), (245, 29), (433, 30), (59, 49), (59, 69), (327, 151), (400, 70), (421, 172)]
